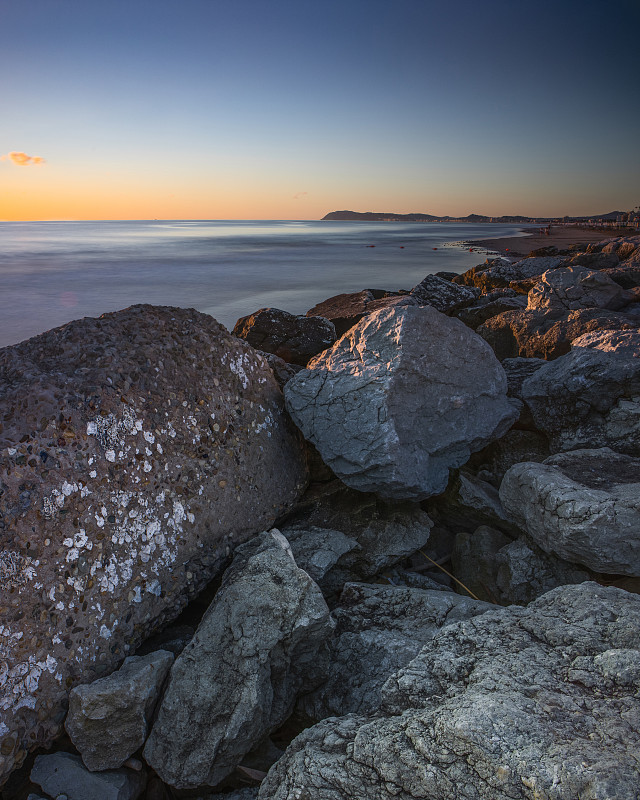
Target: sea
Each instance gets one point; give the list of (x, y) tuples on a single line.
[(54, 272)]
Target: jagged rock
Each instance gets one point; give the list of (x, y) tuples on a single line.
[(261, 642), (379, 629), (346, 310), (623, 246), (611, 341), (339, 535), (467, 503), (248, 793), (517, 371), (535, 334), (594, 260), (514, 447), (571, 288), (525, 572), (403, 397), (500, 570), (108, 719), (282, 371), (625, 275), (500, 272), (582, 506), (136, 450), (292, 338), (476, 315), (443, 295), (587, 399), (514, 703), (64, 774)]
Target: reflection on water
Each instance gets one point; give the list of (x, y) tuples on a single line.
[(53, 272)]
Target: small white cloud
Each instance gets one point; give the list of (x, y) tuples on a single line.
[(300, 195)]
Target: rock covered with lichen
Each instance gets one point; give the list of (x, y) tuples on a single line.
[(136, 450)]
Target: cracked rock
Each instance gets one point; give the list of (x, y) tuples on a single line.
[(402, 398)]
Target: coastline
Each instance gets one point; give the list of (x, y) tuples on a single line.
[(561, 237)]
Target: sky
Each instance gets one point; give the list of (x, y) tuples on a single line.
[(266, 109)]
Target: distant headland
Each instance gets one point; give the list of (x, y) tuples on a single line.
[(384, 216)]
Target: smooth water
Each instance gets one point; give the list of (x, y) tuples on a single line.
[(53, 272)]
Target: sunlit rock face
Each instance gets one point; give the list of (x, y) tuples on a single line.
[(136, 450), (404, 396)]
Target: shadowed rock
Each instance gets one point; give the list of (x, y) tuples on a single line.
[(294, 339)]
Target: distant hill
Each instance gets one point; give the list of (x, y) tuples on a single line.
[(390, 216), (515, 219)]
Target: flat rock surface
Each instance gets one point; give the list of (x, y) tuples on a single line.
[(403, 397), (261, 642), (136, 450), (582, 505), (536, 702)]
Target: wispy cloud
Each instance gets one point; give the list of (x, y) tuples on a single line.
[(300, 195), (22, 159)]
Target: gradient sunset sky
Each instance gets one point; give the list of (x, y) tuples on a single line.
[(264, 109)]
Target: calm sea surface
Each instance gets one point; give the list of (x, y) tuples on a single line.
[(53, 272)]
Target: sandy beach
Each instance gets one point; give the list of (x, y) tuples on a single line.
[(561, 237)]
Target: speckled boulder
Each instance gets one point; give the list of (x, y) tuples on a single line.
[(136, 450)]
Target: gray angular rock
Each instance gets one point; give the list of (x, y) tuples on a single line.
[(443, 295), (467, 503), (594, 260), (65, 774), (627, 341), (292, 338), (501, 272), (536, 334), (514, 703), (339, 535), (476, 315), (379, 629), (573, 288), (109, 719), (525, 572), (582, 506), (587, 399), (136, 450), (405, 396), (261, 642)]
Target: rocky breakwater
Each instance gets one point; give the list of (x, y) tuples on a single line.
[(137, 450)]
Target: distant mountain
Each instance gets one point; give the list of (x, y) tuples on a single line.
[(379, 216), (390, 216), (517, 219)]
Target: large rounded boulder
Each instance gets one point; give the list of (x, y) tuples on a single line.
[(403, 397), (136, 450)]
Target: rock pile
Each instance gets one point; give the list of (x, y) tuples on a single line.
[(443, 625)]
